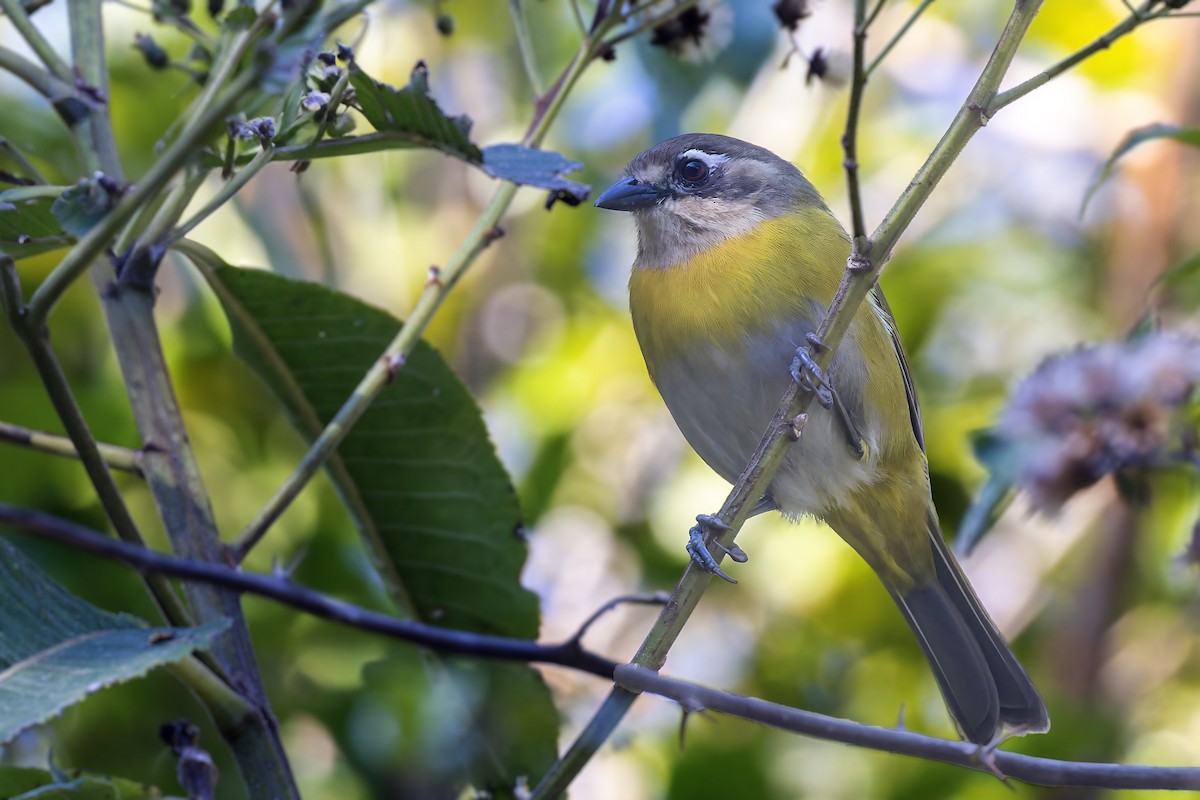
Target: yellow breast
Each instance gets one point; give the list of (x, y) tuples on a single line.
[(741, 286)]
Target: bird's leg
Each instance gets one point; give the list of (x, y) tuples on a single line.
[(698, 550), (806, 372)]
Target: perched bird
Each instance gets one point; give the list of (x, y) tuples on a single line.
[(738, 257)]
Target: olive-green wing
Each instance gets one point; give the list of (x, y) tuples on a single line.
[(910, 391)]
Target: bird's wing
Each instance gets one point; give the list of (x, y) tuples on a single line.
[(910, 391)]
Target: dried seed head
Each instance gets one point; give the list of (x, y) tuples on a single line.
[(696, 34), (1098, 410)]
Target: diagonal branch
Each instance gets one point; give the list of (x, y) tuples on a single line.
[(33, 37), (441, 281), (1137, 17), (862, 269)]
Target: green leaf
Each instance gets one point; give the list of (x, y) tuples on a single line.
[(55, 649), (422, 481), (1135, 137), (532, 167), (81, 206), (27, 783), (412, 112), (28, 228)]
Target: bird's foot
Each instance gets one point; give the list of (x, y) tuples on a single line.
[(985, 755), (699, 552), (806, 372)]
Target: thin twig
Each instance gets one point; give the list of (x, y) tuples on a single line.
[(1137, 17), (653, 599), (172, 473), (858, 84), (43, 82), (33, 37), (525, 44), (651, 22), (567, 654), (383, 371), (122, 458), (84, 443), (1030, 769), (31, 172), (898, 35), (875, 12), (861, 273), (228, 189), (176, 154)]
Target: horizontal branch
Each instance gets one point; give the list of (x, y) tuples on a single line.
[(1030, 769), (121, 458), (693, 697), (566, 654)]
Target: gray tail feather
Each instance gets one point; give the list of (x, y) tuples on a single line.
[(985, 687)]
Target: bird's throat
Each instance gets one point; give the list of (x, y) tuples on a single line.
[(782, 268)]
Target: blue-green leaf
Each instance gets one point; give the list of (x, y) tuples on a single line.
[(55, 649)]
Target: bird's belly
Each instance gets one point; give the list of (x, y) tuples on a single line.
[(722, 399)]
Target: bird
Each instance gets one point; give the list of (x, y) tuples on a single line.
[(738, 258)]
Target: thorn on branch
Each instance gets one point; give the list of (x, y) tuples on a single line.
[(88, 91), (493, 233), (796, 427), (393, 364), (434, 276), (985, 114)]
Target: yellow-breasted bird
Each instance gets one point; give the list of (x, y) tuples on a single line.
[(738, 258)]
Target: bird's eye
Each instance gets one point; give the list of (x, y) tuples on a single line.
[(693, 171)]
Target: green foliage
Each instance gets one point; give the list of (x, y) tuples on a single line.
[(994, 275), (412, 112), (81, 206), (57, 649), (27, 783), (29, 228), (423, 483)]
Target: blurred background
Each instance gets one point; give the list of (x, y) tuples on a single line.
[(1000, 269)]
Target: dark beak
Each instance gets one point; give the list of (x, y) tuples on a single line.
[(628, 194)]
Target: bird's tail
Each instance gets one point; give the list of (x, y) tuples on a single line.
[(985, 688)]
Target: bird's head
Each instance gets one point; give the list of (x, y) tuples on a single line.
[(695, 191)]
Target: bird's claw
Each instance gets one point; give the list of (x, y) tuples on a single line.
[(806, 372), (699, 552)]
